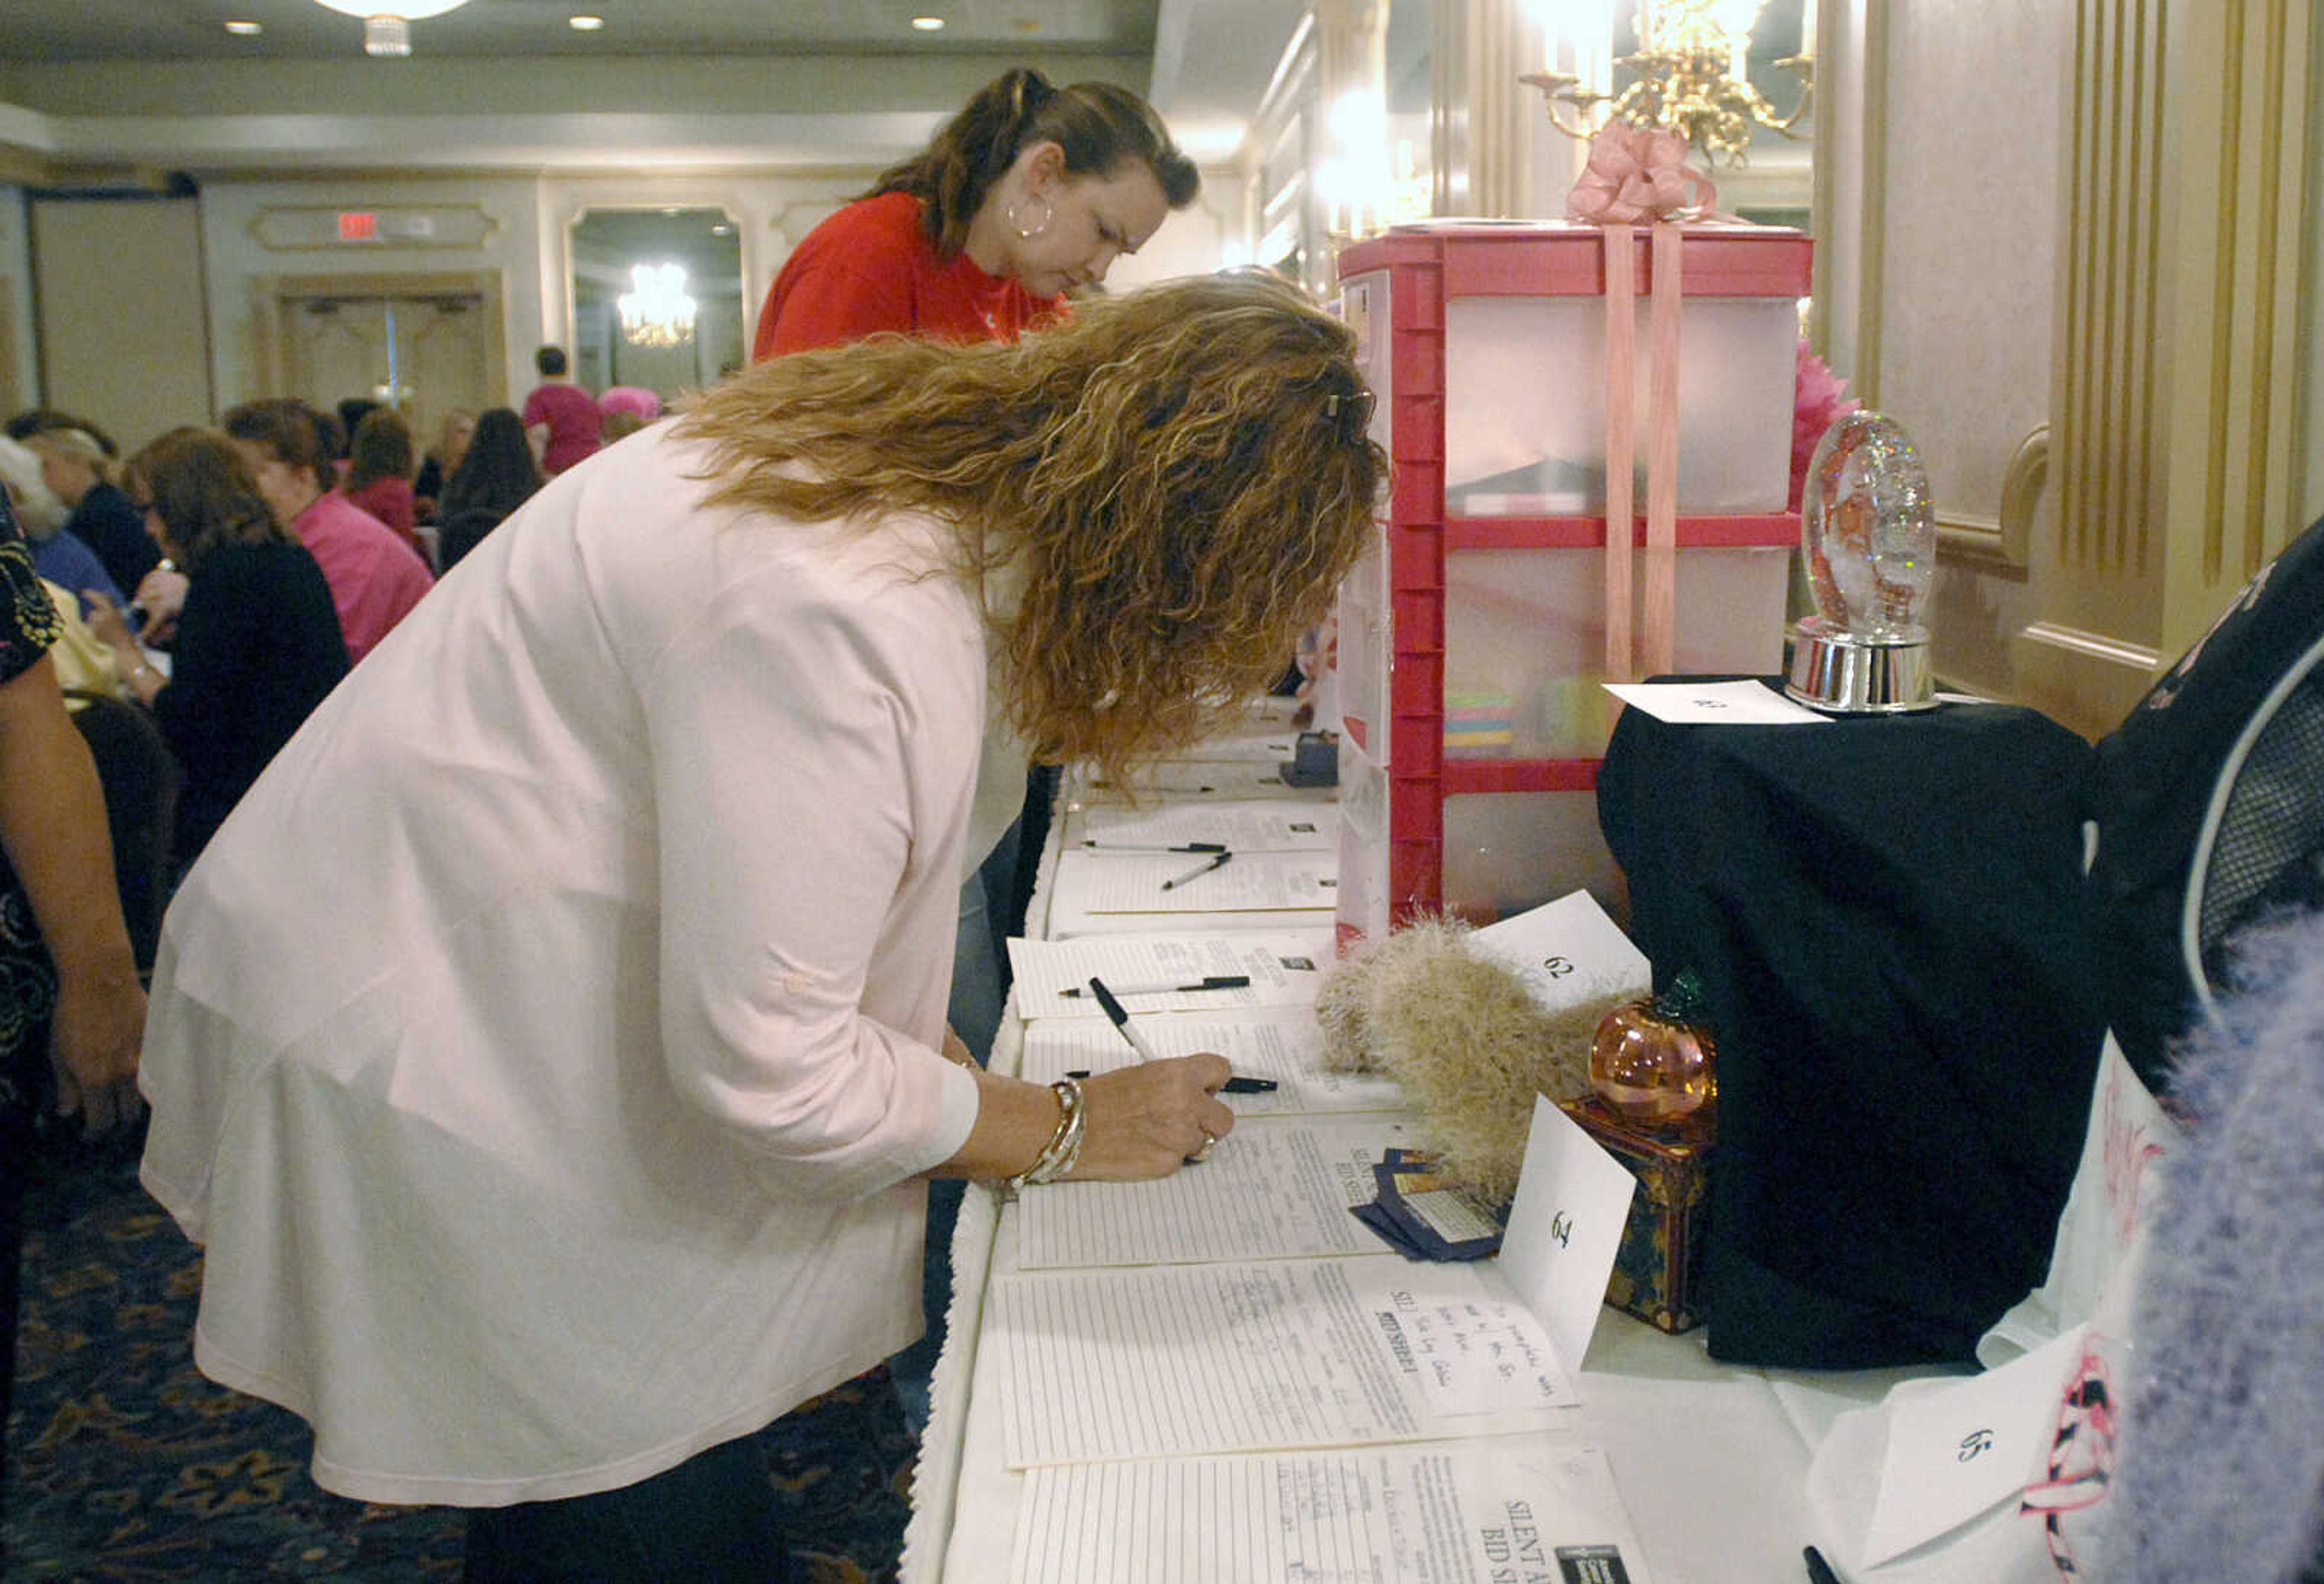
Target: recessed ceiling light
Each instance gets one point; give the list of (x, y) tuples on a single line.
[(244, 29), (929, 25), (584, 25)]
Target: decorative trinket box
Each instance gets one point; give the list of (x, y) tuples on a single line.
[(1658, 1268)]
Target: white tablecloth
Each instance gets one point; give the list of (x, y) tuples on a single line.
[(1712, 1459)]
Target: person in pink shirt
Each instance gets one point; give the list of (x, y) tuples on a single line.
[(375, 577), (560, 418)]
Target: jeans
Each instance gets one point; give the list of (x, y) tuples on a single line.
[(710, 1520)]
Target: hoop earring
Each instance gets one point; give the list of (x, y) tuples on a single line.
[(1029, 232)]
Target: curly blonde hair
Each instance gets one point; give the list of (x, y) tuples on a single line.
[(1180, 476)]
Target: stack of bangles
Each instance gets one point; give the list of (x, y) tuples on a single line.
[(1058, 1155)]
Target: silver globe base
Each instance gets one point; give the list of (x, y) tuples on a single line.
[(1849, 675)]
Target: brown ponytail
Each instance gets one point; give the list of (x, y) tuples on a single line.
[(1097, 124)]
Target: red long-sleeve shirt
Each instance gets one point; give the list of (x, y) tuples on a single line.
[(870, 268)]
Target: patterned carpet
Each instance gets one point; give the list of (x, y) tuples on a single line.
[(127, 1467)]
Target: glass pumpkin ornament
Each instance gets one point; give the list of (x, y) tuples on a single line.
[(1654, 1062), (1868, 536)]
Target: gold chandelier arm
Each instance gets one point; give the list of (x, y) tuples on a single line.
[(1680, 78), (1562, 91)]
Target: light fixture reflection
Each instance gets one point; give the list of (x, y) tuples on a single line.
[(656, 311)]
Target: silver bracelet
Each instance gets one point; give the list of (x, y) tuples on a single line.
[(1064, 1150)]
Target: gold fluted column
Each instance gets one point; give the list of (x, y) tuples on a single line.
[(2174, 387)]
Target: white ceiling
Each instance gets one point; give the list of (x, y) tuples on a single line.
[(103, 30), (666, 84)]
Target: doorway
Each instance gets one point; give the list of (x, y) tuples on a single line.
[(423, 345)]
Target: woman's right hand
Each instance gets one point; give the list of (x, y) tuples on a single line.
[(1149, 1120), (160, 595)]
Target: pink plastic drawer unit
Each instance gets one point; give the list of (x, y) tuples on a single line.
[(1486, 584)]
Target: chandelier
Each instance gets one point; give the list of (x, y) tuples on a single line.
[(1689, 76), (657, 311), (387, 24)]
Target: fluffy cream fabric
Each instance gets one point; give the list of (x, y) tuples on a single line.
[(1466, 1039)]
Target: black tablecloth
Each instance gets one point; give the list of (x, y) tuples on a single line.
[(1886, 915)]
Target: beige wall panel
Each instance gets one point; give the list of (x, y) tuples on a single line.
[(123, 333), (21, 373), (247, 274), (1968, 236)]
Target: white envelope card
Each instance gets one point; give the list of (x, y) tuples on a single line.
[(1955, 1451), (1566, 1227), (1568, 952)]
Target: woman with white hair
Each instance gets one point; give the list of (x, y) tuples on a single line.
[(81, 473), (57, 555)]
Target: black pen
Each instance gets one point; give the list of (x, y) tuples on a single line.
[(1217, 862), (1209, 982), (1819, 1571), (1120, 1019), (1231, 1086), (1092, 842)]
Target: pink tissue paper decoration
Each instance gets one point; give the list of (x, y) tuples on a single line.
[(1638, 173), (1819, 399)]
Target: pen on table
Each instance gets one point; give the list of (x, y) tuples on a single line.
[(1209, 982), (1231, 1086), (1819, 1571), (1120, 1019), (1218, 860), (1092, 842)]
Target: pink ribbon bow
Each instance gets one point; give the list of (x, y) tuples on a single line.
[(1638, 173)]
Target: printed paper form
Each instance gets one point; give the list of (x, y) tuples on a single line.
[(1492, 1511), (1249, 826), (1284, 1045), (1271, 1190), (1267, 1355), (1284, 967), (1133, 882)]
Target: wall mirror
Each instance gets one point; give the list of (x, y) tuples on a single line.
[(657, 298)]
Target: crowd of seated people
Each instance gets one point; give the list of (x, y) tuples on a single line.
[(179, 596)]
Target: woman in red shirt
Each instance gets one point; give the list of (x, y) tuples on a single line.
[(1030, 192)]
